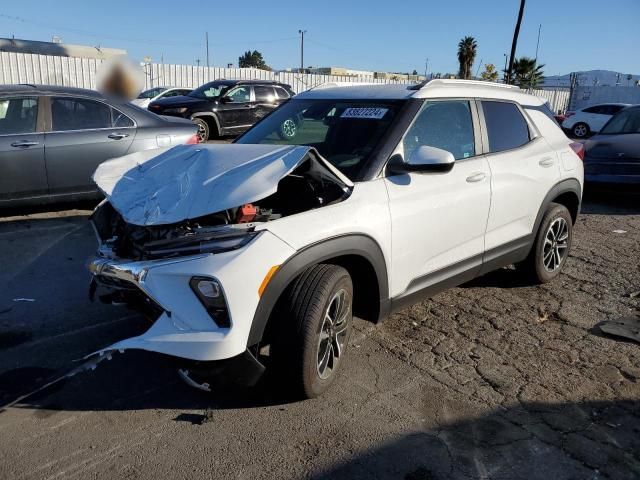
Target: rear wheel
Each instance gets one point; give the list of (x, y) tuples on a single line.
[(580, 130), (203, 130), (552, 245), (310, 347)]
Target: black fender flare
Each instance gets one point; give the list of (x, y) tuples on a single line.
[(208, 114), (350, 244), (569, 185)]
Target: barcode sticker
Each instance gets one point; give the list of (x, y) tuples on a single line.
[(364, 112)]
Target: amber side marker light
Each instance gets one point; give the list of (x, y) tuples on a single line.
[(267, 279)]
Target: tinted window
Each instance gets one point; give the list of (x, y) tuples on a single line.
[(446, 125), (18, 115), (83, 114), (506, 127), (613, 109), (264, 94), (627, 121), (209, 90), (282, 93), (151, 93)]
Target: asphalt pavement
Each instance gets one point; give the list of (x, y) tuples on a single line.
[(494, 379)]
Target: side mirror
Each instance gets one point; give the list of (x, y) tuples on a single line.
[(226, 100), (424, 159)]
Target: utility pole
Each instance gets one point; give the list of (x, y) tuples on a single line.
[(514, 44), (426, 68), (206, 37), (302, 32), (478, 69), (538, 44), (504, 72)]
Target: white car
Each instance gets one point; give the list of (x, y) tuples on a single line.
[(591, 119), (259, 253), (153, 94)]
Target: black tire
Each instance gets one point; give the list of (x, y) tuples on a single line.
[(297, 347), (203, 129), (580, 130), (539, 266)]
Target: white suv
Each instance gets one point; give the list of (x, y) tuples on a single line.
[(353, 200)]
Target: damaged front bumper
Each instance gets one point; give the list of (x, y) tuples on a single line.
[(184, 328)]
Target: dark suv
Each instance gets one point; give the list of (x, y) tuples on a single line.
[(225, 107)]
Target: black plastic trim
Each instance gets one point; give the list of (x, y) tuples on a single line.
[(351, 244)]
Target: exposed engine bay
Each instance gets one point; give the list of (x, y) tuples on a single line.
[(308, 187)]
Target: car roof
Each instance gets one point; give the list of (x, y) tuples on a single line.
[(617, 104), (437, 88), (32, 89)]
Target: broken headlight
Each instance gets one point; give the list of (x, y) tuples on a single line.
[(209, 292), (198, 243)]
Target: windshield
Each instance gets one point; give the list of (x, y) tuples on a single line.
[(345, 132), (209, 90), (627, 121), (154, 92)]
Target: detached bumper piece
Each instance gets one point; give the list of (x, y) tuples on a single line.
[(244, 370)]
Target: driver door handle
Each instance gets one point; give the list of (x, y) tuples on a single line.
[(118, 136), (24, 144), (476, 177)]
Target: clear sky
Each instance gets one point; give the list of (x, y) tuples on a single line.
[(362, 34)]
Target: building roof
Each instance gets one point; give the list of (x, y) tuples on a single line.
[(438, 88), (58, 49)]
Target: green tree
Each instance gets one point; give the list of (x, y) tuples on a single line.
[(466, 56), (526, 73), (490, 73), (415, 72), (253, 59)]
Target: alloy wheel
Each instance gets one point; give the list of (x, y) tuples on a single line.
[(556, 245), (333, 334), (202, 132), (580, 130), (289, 128)]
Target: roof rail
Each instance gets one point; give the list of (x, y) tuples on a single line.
[(457, 81), (342, 84)]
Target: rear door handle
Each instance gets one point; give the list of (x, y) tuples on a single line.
[(546, 162), (118, 136), (24, 144), (476, 177)]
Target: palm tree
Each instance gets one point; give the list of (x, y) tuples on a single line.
[(466, 56), (526, 73)]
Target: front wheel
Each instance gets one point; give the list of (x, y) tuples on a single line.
[(552, 245), (314, 333), (203, 130)]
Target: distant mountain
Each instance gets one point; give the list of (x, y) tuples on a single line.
[(591, 78)]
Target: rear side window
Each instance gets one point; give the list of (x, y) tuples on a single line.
[(83, 114), (506, 127), (18, 115), (282, 93), (264, 94)]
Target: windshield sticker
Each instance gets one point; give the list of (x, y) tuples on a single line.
[(368, 112)]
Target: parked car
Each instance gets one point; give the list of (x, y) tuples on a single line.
[(613, 156), (590, 120), (225, 107), (386, 194), (153, 94), (53, 138)]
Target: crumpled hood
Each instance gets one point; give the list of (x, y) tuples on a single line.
[(169, 185)]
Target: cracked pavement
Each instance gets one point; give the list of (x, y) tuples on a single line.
[(495, 379)]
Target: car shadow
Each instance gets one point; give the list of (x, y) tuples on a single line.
[(611, 200), (507, 277), (530, 440)]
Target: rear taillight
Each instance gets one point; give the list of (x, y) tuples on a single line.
[(193, 139), (578, 148)]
